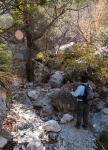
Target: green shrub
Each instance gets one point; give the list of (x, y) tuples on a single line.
[(5, 67), (79, 59), (104, 140)]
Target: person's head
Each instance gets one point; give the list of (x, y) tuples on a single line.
[(84, 79)]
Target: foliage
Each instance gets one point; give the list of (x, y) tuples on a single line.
[(45, 56), (6, 21), (5, 61), (9, 96), (5, 67), (101, 37), (35, 19), (79, 59), (104, 140), (83, 57)]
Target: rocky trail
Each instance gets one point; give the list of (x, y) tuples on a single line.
[(41, 115), (27, 129)]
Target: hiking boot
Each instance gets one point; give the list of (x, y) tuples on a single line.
[(77, 126), (85, 127)]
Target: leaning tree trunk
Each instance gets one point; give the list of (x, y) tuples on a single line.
[(29, 27)]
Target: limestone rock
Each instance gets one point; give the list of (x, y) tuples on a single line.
[(2, 110), (99, 122), (99, 106), (105, 89), (56, 80), (33, 94), (62, 101), (52, 125), (35, 145), (66, 118), (47, 110), (3, 142), (92, 84), (22, 98), (96, 95)]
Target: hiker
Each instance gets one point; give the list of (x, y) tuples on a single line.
[(82, 108)]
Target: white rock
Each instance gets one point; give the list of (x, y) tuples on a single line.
[(105, 89), (3, 141), (35, 145), (33, 94), (52, 125), (105, 111), (66, 118), (2, 110), (65, 46), (94, 125), (56, 80)]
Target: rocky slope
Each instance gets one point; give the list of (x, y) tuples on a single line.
[(41, 115)]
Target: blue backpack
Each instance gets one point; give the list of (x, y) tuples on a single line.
[(88, 94)]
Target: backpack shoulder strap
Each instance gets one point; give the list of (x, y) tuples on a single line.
[(84, 85)]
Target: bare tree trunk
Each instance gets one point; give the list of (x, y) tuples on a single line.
[(29, 29)]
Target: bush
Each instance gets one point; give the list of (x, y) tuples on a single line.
[(80, 59), (5, 67), (104, 140)]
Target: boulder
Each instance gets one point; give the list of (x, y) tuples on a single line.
[(92, 84), (2, 110), (63, 101), (107, 99), (56, 80), (96, 95), (22, 98), (105, 89), (99, 122), (3, 142), (66, 118), (68, 75), (34, 145), (33, 94), (52, 125), (47, 110), (99, 106)]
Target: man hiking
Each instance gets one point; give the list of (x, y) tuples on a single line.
[(83, 107)]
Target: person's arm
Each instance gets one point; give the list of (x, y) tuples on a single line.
[(77, 92)]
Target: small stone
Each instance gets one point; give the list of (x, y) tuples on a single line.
[(105, 111), (66, 118), (52, 125)]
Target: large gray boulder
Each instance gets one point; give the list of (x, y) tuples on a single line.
[(99, 106), (56, 80), (62, 101), (22, 98), (3, 142), (99, 122), (2, 110)]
